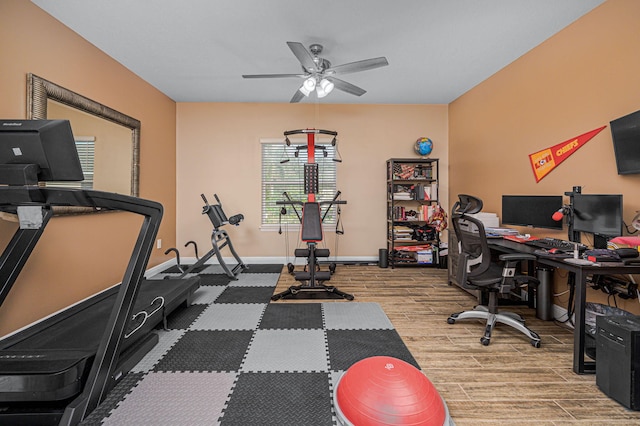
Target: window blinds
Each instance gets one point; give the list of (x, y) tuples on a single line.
[(288, 177)]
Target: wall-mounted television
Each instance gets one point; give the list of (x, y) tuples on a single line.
[(625, 132), (531, 210)]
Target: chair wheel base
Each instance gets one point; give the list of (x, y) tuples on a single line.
[(451, 320), (535, 343), (485, 341)]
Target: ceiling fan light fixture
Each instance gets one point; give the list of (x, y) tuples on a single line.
[(324, 88), (304, 90), (310, 83), (308, 86)]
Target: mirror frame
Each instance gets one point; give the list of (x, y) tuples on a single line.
[(39, 91)]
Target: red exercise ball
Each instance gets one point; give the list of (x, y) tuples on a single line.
[(382, 390)]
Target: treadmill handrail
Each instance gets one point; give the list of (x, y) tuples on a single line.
[(96, 386)]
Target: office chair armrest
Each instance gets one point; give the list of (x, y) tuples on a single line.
[(516, 256)]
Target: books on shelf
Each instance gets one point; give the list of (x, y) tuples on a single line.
[(412, 171), (402, 196), (418, 213)]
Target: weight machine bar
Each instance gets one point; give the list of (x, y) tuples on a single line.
[(292, 204), (331, 203), (311, 131)]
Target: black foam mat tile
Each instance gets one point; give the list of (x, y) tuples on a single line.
[(346, 347), (305, 294), (214, 279), (246, 295), (263, 269), (181, 319), (285, 399), (207, 351), (290, 316)]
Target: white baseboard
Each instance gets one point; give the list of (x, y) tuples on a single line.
[(261, 261), (560, 314)]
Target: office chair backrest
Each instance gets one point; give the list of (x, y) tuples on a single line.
[(473, 244), (466, 204)]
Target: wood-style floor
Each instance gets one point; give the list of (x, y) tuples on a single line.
[(508, 382)]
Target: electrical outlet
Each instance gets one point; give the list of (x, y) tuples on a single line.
[(159, 243)]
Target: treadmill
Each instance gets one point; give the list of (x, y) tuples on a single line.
[(59, 370)]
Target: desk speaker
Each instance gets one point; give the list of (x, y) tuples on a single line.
[(618, 363)]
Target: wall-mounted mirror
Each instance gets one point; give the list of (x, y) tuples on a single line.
[(108, 139)]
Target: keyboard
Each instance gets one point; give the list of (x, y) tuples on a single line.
[(553, 243)]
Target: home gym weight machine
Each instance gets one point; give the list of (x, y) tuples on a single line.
[(312, 278), (219, 240)]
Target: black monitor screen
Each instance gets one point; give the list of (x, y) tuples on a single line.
[(531, 210), (625, 132), (47, 143), (598, 214)]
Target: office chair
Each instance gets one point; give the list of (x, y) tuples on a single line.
[(476, 270)]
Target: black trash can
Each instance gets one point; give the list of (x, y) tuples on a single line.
[(383, 258), (544, 293)]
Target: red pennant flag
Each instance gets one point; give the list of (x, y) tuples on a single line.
[(542, 162)]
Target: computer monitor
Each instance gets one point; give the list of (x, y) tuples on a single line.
[(625, 133), (49, 144), (531, 210), (598, 214)]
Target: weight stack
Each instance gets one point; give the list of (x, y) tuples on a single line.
[(618, 364)]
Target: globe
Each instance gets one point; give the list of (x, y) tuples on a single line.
[(423, 146)]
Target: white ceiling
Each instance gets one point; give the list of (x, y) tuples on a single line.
[(197, 50)]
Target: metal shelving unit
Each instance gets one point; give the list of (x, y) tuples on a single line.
[(412, 192)]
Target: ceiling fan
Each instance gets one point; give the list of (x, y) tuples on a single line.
[(319, 74)]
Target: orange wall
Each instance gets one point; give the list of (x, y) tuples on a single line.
[(575, 82), (81, 255), (219, 152)]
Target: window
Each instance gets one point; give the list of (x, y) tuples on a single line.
[(86, 152), (288, 177)]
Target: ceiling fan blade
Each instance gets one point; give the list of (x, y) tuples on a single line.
[(273, 75), (364, 65), (297, 97), (346, 87), (303, 56)]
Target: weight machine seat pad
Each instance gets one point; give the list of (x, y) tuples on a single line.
[(311, 222)]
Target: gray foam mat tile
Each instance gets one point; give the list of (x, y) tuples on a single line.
[(177, 270), (246, 295), (221, 316), (355, 316), (175, 399), (207, 351), (263, 268), (300, 399), (114, 397), (347, 347), (205, 295), (287, 351), (166, 341), (255, 280), (217, 269), (291, 316)]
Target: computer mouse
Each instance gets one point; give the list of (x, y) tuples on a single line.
[(553, 250)]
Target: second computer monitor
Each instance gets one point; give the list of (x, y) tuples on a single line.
[(531, 210), (598, 214)]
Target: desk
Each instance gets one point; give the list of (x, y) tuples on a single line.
[(581, 272)]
